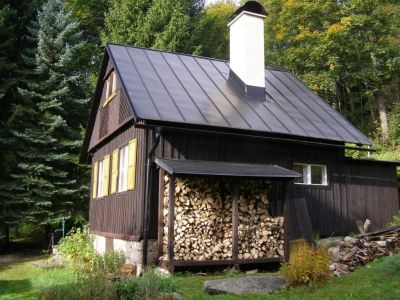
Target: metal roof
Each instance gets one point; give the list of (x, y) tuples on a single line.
[(226, 169), (164, 86)]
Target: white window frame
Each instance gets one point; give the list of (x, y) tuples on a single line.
[(100, 179), (123, 169), (114, 81), (308, 176), (107, 87)]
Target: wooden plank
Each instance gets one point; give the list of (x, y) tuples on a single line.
[(235, 220), (304, 220), (286, 220), (116, 235), (187, 263), (171, 215), (160, 211)]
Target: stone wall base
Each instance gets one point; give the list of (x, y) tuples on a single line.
[(131, 250)]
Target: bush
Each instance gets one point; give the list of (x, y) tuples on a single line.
[(396, 220), (307, 264), (149, 286), (77, 248)]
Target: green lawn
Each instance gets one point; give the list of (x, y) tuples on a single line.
[(380, 280), (22, 280)]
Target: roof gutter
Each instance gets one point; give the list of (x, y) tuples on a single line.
[(147, 195), (243, 135)]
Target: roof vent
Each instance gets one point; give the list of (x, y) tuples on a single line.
[(247, 49)]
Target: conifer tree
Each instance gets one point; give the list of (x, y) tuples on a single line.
[(162, 24), (47, 126)]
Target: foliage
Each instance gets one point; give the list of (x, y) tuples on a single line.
[(46, 127), (161, 24), (395, 221), (212, 31), (346, 51), (307, 264), (149, 286), (14, 18), (77, 248), (22, 280)]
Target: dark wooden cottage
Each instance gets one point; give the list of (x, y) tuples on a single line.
[(204, 161)]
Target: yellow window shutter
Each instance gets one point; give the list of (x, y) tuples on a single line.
[(95, 174), (106, 168), (114, 171), (132, 164)]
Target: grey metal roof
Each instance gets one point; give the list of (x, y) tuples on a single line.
[(180, 88), (226, 169)]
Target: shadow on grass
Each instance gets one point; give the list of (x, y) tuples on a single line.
[(12, 287)]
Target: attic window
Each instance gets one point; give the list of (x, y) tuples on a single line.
[(111, 87), (311, 174)]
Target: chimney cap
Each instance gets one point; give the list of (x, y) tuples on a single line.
[(250, 6)]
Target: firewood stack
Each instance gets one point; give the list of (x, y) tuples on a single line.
[(259, 234), (203, 220), (355, 251)]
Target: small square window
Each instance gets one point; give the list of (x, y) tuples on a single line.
[(311, 174)]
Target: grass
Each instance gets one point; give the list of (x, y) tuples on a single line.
[(379, 280), (22, 280)]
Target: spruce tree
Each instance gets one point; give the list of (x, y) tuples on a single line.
[(14, 17), (47, 126), (162, 24)]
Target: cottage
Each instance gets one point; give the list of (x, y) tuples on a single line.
[(204, 161)]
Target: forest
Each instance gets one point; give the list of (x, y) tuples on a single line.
[(347, 51)]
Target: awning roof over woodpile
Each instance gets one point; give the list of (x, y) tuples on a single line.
[(226, 169)]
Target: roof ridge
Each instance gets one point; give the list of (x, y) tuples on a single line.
[(191, 55)]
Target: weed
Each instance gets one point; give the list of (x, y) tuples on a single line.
[(307, 264)]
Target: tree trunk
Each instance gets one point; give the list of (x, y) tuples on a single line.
[(383, 117)]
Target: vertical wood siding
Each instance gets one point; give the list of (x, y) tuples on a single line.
[(356, 189), (121, 213), (111, 117)]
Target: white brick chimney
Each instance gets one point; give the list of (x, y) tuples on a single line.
[(247, 48)]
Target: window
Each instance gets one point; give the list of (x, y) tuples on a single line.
[(123, 169), (111, 87), (310, 174), (100, 180), (114, 81), (101, 177)]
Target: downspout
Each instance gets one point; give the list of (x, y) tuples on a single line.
[(147, 194)]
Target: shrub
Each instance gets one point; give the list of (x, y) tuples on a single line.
[(77, 248), (396, 220), (149, 286), (307, 264)]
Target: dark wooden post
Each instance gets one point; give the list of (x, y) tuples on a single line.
[(161, 188), (235, 220), (171, 216), (286, 219)]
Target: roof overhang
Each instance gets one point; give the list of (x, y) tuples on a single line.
[(177, 167)]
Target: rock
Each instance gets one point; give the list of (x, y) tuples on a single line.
[(46, 264), (330, 241), (162, 272), (250, 284), (252, 272), (350, 240), (334, 253)]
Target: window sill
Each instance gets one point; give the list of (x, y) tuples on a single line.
[(108, 100), (313, 186)]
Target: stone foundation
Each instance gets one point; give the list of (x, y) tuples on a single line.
[(131, 250)]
